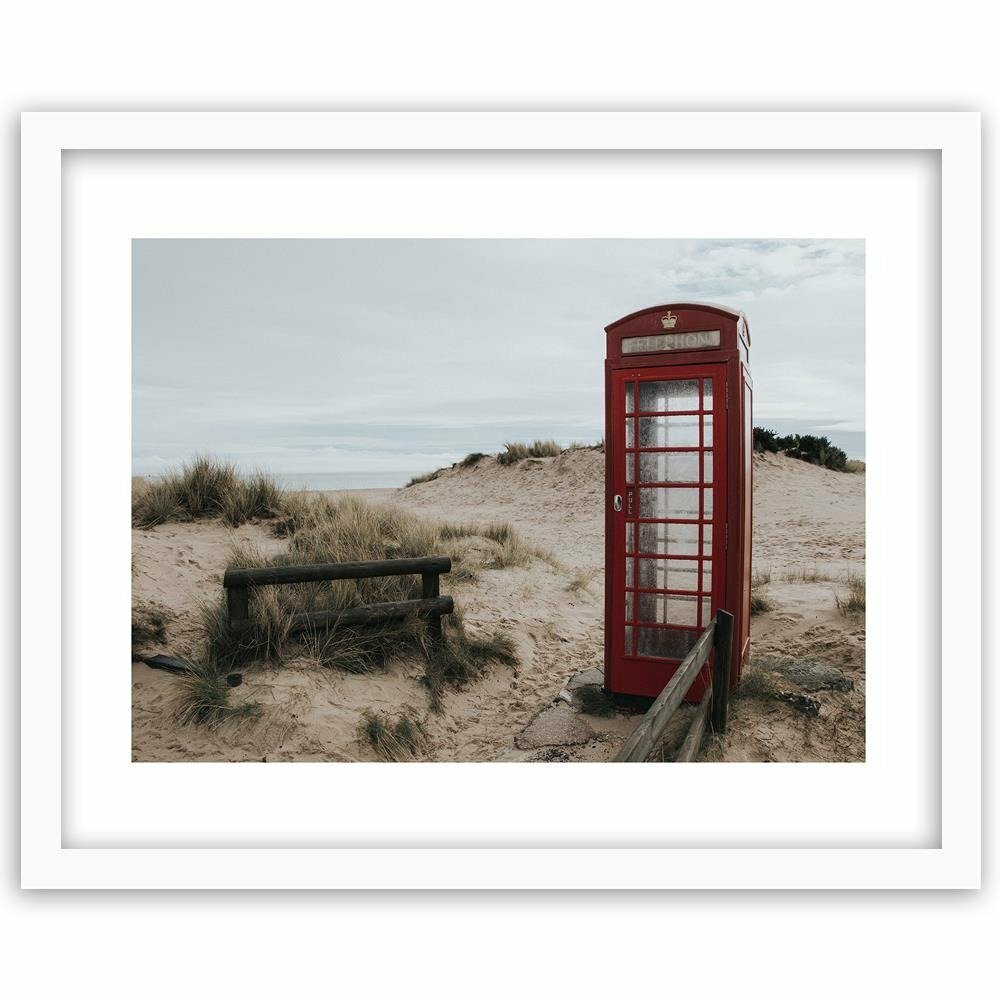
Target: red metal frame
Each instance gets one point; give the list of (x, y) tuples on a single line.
[(625, 671)]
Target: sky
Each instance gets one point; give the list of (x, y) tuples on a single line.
[(400, 356)]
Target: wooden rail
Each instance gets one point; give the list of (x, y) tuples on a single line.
[(648, 735), (431, 605)]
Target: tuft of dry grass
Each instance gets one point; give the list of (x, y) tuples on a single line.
[(853, 602), (397, 740), (450, 529), (473, 458), (760, 602), (427, 477), (202, 697), (806, 574), (368, 650), (855, 465), (463, 658), (581, 580), (149, 622), (759, 680), (515, 451), (510, 549), (760, 578), (257, 495), (594, 700), (205, 487)]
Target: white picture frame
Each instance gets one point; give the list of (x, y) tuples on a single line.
[(55, 776)]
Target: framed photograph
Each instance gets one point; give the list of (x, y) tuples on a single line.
[(420, 455)]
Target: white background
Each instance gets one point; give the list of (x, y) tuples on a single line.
[(631, 55), (889, 199)]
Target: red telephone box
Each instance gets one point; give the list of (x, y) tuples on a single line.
[(679, 444)]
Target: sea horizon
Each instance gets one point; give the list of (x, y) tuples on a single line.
[(326, 481)]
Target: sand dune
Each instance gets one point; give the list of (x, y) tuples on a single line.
[(808, 531)]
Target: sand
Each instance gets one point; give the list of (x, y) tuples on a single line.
[(807, 522)]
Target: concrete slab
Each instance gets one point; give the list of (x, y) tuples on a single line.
[(555, 726), (592, 675)]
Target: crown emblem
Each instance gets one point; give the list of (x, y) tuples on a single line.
[(668, 320)]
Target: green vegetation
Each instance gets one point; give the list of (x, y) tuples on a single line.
[(473, 458), (205, 487), (397, 740), (807, 447)]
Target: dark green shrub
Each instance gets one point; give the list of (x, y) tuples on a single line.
[(806, 447)]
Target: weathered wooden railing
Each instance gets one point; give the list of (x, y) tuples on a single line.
[(649, 733), (431, 605)]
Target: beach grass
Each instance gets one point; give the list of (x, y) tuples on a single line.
[(205, 487), (202, 697), (426, 477), (515, 451), (759, 680), (324, 529), (393, 740), (591, 699), (149, 622), (853, 601), (807, 574), (463, 658), (347, 529)]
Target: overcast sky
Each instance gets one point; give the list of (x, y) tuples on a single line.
[(315, 356)]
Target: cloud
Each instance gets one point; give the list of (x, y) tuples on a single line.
[(395, 351)]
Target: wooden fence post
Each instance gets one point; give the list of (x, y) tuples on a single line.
[(431, 587), (238, 604), (722, 670)]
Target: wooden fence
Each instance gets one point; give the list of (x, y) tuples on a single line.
[(431, 605), (718, 636)]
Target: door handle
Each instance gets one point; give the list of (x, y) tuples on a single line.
[(618, 502)]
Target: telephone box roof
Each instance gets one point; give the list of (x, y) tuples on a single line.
[(698, 306)]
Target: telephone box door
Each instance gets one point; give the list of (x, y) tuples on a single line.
[(668, 539)]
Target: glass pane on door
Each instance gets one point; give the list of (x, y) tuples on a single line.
[(668, 432), (668, 467), (670, 475), (677, 394)]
